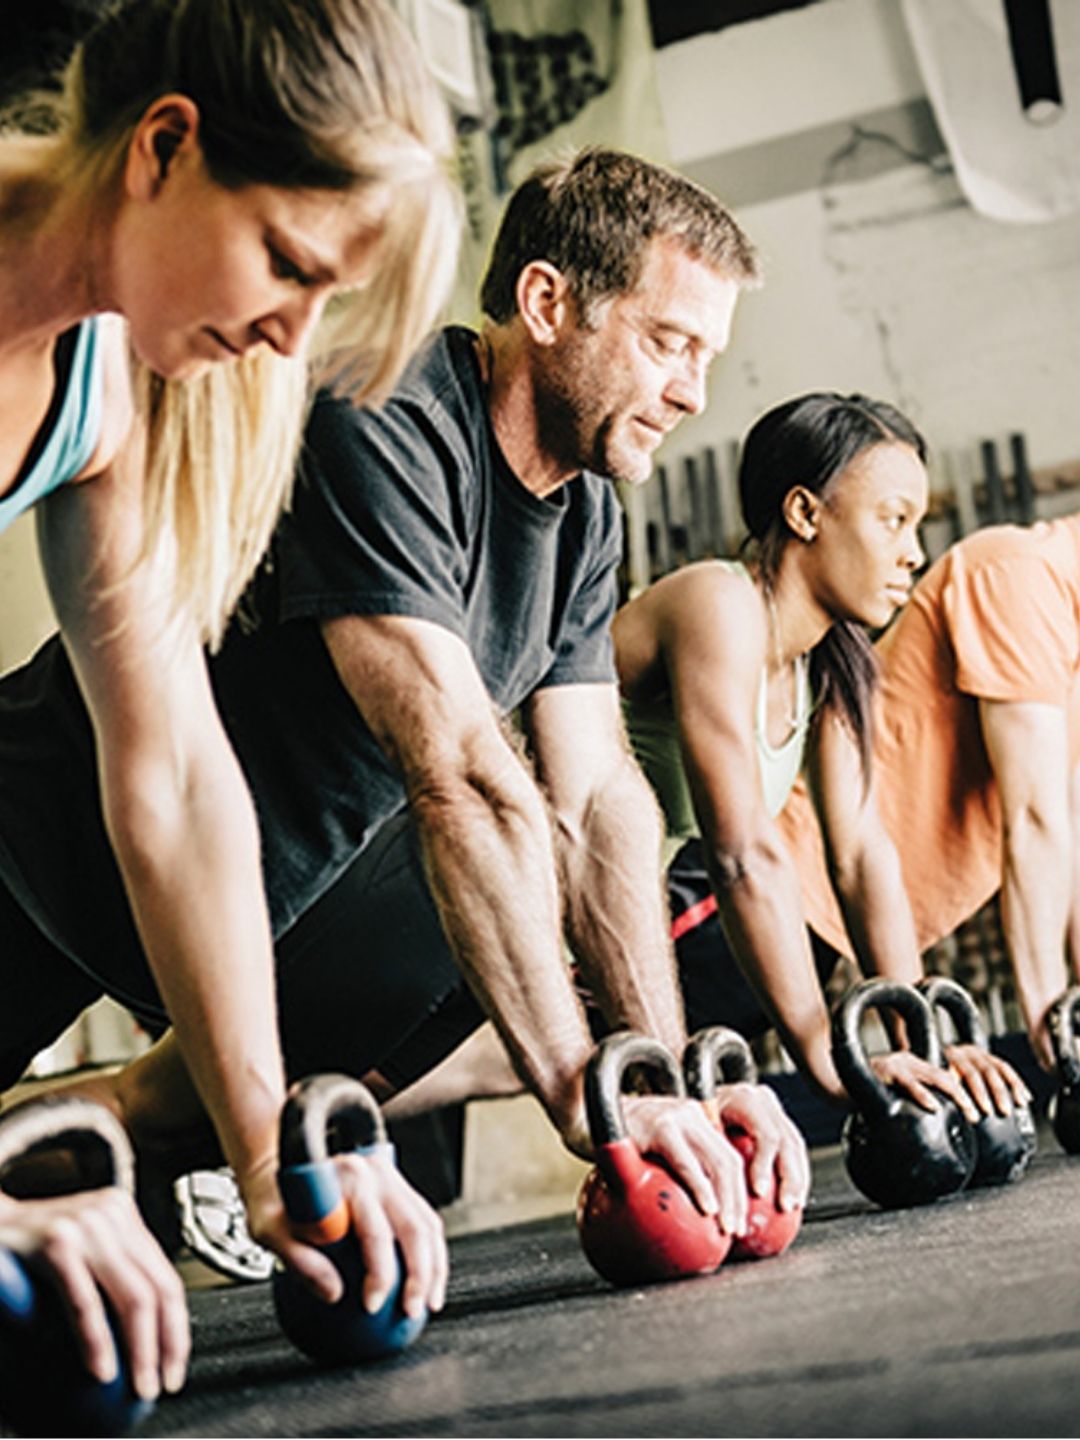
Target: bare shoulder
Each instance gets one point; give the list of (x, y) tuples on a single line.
[(711, 605), (714, 639), (117, 401), (704, 614)]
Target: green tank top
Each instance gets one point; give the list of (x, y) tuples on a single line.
[(654, 736)]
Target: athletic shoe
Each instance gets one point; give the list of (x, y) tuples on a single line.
[(214, 1227)]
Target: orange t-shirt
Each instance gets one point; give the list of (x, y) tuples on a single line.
[(997, 617)]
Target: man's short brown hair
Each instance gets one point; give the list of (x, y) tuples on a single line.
[(593, 218)]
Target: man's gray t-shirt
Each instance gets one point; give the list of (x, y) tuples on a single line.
[(410, 510)]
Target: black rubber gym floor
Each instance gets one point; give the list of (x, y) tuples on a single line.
[(961, 1318)]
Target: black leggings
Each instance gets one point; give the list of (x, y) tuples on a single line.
[(366, 979), (41, 991), (715, 990)]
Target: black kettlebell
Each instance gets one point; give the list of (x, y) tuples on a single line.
[(320, 1111), (1004, 1143), (897, 1153), (1064, 1110), (45, 1387)]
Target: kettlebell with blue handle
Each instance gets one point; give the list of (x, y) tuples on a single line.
[(1004, 1143), (45, 1387), (897, 1153), (718, 1056), (636, 1221), (321, 1112), (1064, 1109)]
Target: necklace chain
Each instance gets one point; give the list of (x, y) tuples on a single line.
[(791, 719)]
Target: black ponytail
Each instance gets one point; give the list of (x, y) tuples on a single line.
[(807, 442)]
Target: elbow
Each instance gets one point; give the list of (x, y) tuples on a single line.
[(1037, 828), (747, 865), (620, 808), (143, 814), (153, 811), (864, 862), (446, 800), (846, 873)]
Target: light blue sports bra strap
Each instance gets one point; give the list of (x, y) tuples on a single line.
[(75, 432)]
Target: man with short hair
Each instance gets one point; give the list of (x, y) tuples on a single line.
[(449, 562)]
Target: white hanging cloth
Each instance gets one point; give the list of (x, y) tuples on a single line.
[(1009, 166)]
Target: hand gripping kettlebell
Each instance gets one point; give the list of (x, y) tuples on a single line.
[(45, 1387), (636, 1222), (718, 1056), (318, 1110), (896, 1152), (1004, 1143), (1064, 1108)]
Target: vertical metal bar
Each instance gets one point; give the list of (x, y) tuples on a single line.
[(664, 555), (695, 511), (1025, 490), (637, 538), (963, 488), (995, 489), (714, 510)]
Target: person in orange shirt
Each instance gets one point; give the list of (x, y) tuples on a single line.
[(976, 745)]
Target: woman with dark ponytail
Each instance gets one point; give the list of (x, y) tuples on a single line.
[(736, 674)]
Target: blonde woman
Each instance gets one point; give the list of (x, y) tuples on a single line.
[(217, 169)]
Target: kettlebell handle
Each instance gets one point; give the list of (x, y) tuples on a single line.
[(1062, 1025), (325, 1107), (82, 1125), (604, 1078), (959, 1005), (849, 1054), (716, 1056)]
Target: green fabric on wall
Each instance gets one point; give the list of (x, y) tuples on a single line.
[(566, 73)]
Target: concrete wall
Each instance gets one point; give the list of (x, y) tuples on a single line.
[(25, 613), (814, 126)]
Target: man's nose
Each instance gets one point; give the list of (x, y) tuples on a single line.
[(687, 388)]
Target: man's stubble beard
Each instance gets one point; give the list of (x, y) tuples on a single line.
[(576, 430)]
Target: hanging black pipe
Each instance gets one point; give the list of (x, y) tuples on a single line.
[(1031, 40)]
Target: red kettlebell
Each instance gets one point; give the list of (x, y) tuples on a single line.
[(637, 1223), (720, 1056)]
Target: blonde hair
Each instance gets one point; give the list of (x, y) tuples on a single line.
[(319, 94)]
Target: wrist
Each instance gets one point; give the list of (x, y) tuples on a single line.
[(249, 1130), (819, 1065), (568, 1114)]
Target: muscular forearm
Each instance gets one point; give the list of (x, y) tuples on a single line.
[(1035, 900), (489, 858), (878, 916), (193, 878), (616, 911), (761, 906), (1027, 744)]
